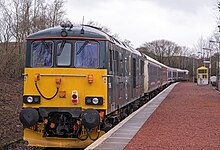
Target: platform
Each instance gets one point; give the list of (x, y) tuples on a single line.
[(188, 119), (118, 137)]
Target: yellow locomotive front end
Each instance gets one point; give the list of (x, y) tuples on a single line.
[(65, 88)]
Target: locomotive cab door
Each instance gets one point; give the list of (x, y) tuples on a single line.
[(111, 73)]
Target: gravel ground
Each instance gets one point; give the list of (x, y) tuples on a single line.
[(189, 118), (10, 105)]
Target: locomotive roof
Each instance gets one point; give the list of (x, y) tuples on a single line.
[(73, 32), (90, 32)]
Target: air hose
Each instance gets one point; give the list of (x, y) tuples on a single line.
[(43, 95), (37, 78)]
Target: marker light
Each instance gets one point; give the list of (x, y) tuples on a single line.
[(75, 97), (90, 78), (30, 99), (36, 77), (58, 82)]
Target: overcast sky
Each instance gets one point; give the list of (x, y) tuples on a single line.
[(140, 21)]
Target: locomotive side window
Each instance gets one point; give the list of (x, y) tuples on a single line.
[(126, 66), (129, 65), (42, 53), (87, 54), (117, 63), (63, 54), (142, 67), (121, 69), (110, 60)]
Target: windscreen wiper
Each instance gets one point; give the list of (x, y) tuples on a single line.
[(44, 47), (61, 47), (82, 47)]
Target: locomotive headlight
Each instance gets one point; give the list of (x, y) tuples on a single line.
[(63, 33), (95, 100), (29, 99)]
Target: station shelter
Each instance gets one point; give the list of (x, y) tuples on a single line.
[(202, 76)]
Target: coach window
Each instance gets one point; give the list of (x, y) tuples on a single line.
[(42, 53), (87, 54), (63, 54)]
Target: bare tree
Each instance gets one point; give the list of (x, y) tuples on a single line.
[(55, 12), (162, 50), (19, 18), (98, 25), (39, 16), (5, 29), (202, 43)]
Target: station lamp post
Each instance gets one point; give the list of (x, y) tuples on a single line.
[(218, 76), (193, 67)]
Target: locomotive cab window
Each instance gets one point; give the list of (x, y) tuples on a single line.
[(42, 53), (87, 54), (63, 54)]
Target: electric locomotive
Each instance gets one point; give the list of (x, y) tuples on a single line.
[(78, 83)]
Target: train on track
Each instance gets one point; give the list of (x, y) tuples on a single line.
[(79, 82)]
